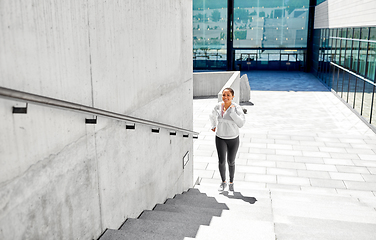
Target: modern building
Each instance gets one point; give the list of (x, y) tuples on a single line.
[(334, 39)]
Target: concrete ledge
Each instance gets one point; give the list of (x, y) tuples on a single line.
[(234, 83), (211, 84), (208, 84)]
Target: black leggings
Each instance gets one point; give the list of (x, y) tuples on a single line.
[(231, 147)]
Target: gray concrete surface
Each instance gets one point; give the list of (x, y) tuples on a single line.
[(59, 177), (306, 166)]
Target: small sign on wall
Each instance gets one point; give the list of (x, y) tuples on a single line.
[(185, 159)]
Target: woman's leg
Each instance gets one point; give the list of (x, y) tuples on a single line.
[(233, 146), (221, 150)]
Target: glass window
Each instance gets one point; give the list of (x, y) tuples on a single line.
[(246, 59), (338, 47), (371, 60), (355, 51), (349, 43), (343, 46), (209, 33), (271, 24), (363, 51), (372, 35)]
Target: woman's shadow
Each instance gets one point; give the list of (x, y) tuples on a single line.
[(238, 195)]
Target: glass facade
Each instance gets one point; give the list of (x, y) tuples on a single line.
[(209, 34), (346, 63), (319, 1), (264, 34), (270, 24)]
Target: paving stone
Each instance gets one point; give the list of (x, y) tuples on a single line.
[(261, 163), (257, 156), (282, 171), (251, 169), (371, 157), (327, 183), (346, 176), (372, 170), (321, 167), (260, 178), (303, 159), (313, 174), (344, 155), (279, 146), (282, 158), (368, 186), (306, 148), (287, 180), (289, 152), (292, 165)]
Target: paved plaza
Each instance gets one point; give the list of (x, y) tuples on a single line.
[(305, 169)]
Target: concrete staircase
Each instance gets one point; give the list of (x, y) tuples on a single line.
[(177, 218)]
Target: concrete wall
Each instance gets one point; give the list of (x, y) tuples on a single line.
[(60, 178), (345, 13), (212, 84)]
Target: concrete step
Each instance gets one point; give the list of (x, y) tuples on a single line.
[(187, 218), (176, 229), (195, 203), (111, 234), (201, 198), (188, 209), (193, 191)]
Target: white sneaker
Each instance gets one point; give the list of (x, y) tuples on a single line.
[(222, 186)]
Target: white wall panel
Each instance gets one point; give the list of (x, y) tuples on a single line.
[(345, 13)]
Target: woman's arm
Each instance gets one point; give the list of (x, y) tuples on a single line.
[(213, 118), (237, 115)]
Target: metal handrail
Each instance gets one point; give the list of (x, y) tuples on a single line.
[(52, 102), (354, 74)]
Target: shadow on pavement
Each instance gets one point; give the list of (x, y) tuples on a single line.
[(238, 195)]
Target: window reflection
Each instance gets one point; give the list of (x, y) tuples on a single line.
[(270, 24), (347, 64), (209, 33)]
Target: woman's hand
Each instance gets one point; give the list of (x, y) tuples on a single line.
[(213, 129)]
